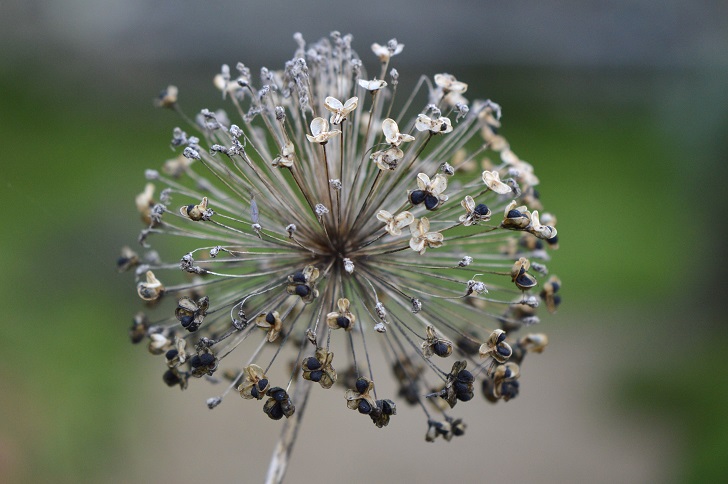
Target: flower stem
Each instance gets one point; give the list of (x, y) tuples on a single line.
[(282, 452)]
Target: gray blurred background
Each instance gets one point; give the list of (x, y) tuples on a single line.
[(622, 108)]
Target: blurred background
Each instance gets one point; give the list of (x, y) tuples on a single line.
[(622, 108)]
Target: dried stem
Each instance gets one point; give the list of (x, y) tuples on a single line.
[(282, 453)]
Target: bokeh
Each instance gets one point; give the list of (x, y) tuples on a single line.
[(621, 106)]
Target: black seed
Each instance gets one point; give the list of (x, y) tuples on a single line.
[(189, 208), (501, 337), (461, 387), (207, 359), (465, 376), (514, 214), (416, 197), (443, 127), (171, 354), (364, 407), (275, 412), (299, 277), (509, 389), (302, 290), (316, 375), (481, 209), (270, 319), (121, 261), (278, 394), (388, 407), (361, 385), (553, 240), (312, 363), (441, 349), (195, 361), (343, 322), (458, 430), (557, 300), (503, 350), (170, 378), (539, 244), (466, 396), (186, 320), (431, 202), (262, 383), (254, 392), (556, 286)]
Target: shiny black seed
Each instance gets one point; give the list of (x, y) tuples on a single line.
[(503, 350), (431, 202), (270, 319), (278, 394), (186, 320), (514, 214), (262, 383), (525, 281), (275, 412), (443, 127), (364, 407), (207, 359), (465, 376), (299, 277), (388, 407), (441, 349), (171, 354), (509, 389), (171, 378), (457, 429), (465, 396), (361, 385), (315, 376), (501, 337), (195, 362), (312, 363), (557, 300), (302, 290), (553, 240), (481, 209), (189, 208), (254, 392), (416, 197), (556, 286), (342, 322), (461, 388)]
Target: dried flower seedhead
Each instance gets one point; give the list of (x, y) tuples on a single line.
[(340, 111), (343, 318), (548, 294), (496, 347), (197, 212), (438, 125), (279, 404), (435, 344), (167, 97), (422, 238), (152, 289), (392, 134), (320, 131), (271, 323), (430, 192), (359, 398), (318, 368), (190, 313), (395, 224), (474, 214), (255, 384), (372, 86), (323, 214)]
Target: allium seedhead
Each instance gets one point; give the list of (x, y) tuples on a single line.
[(325, 219)]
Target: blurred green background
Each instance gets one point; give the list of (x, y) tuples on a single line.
[(622, 110)]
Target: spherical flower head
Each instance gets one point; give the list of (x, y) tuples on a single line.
[(314, 222)]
